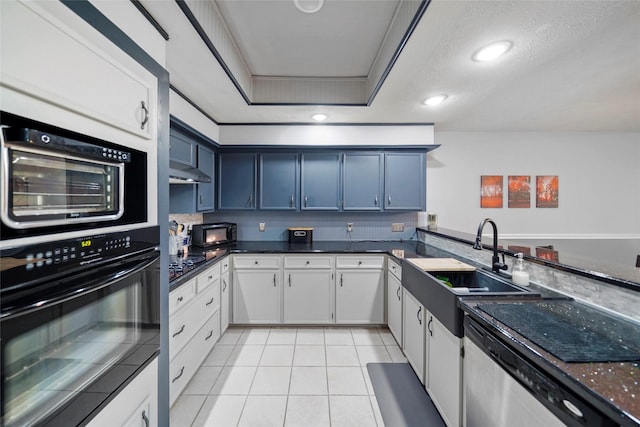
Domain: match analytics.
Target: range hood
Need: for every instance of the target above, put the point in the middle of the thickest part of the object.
(183, 174)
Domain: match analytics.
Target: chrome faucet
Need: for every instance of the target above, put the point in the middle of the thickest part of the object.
(496, 265)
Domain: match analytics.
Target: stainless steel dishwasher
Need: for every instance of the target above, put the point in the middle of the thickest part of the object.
(502, 388)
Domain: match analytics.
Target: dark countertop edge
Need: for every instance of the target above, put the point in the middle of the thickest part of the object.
(543, 360)
(623, 283)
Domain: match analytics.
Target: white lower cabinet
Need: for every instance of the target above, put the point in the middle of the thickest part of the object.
(413, 342)
(225, 299)
(194, 327)
(444, 371)
(308, 289)
(136, 405)
(359, 289)
(308, 297)
(257, 283)
(394, 300)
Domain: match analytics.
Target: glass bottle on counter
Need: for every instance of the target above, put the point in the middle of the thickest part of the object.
(519, 275)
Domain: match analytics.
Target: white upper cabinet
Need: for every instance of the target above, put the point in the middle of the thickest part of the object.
(46, 60)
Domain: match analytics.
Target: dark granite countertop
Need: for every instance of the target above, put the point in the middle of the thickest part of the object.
(612, 387)
(608, 260)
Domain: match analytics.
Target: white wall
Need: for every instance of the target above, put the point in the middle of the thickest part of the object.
(599, 176)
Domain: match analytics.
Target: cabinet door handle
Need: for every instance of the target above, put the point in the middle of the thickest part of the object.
(146, 115)
(289, 280)
(180, 299)
(201, 199)
(292, 202)
(306, 201)
(250, 201)
(398, 293)
(211, 277)
(179, 375)
(375, 202)
(209, 336)
(179, 332)
(224, 285)
(359, 262)
(340, 280)
(307, 263)
(210, 301)
(389, 200)
(429, 325)
(419, 315)
(274, 280)
(145, 419)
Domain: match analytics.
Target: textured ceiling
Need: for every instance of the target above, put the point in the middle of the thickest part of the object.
(575, 66)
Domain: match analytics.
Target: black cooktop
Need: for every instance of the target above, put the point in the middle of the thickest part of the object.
(571, 331)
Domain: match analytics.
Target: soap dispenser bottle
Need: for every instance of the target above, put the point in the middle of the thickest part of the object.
(520, 276)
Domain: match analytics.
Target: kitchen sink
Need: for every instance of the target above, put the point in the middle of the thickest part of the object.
(440, 291)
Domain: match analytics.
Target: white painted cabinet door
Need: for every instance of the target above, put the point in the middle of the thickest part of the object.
(413, 333)
(256, 296)
(308, 296)
(139, 400)
(444, 371)
(49, 60)
(359, 296)
(225, 301)
(394, 306)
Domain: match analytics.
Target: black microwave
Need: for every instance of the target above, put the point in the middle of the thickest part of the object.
(217, 234)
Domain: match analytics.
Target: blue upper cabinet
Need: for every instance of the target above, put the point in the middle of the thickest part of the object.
(205, 189)
(237, 181)
(320, 184)
(362, 181)
(279, 181)
(182, 149)
(405, 181)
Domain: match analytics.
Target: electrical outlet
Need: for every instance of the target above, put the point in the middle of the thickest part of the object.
(349, 227)
(397, 226)
(261, 226)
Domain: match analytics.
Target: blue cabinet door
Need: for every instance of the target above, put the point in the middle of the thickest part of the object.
(182, 148)
(237, 181)
(320, 184)
(405, 181)
(205, 190)
(279, 181)
(362, 181)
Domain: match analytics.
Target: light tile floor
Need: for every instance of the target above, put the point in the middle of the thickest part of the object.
(288, 376)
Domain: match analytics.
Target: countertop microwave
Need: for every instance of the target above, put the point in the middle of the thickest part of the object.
(216, 234)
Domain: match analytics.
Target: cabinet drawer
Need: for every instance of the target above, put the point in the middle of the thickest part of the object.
(182, 327)
(181, 297)
(257, 262)
(209, 301)
(208, 278)
(394, 268)
(184, 366)
(359, 261)
(314, 261)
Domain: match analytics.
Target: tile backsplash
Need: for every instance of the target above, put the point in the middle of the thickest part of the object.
(326, 225)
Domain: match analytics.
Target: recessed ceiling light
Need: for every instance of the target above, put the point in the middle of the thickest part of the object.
(319, 117)
(308, 6)
(491, 51)
(435, 100)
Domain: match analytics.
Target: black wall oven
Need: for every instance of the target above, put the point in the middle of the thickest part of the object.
(79, 319)
(54, 181)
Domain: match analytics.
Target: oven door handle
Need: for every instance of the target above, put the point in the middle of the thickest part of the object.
(105, 276)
